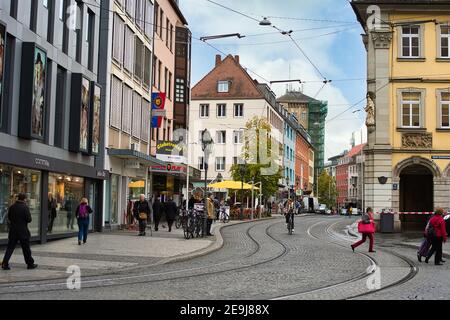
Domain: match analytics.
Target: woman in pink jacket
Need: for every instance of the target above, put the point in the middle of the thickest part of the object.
(437, 235)
(369, 217)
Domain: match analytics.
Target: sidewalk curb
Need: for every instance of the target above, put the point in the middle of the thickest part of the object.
(413, 246)
(216, 245)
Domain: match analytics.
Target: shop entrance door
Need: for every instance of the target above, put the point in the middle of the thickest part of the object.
(93, 202)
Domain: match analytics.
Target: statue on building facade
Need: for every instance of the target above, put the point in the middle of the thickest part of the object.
(370, 111)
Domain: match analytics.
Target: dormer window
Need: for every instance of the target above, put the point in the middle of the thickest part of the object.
(223, 86)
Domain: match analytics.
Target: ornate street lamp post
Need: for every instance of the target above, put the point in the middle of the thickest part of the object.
(242, 171)
(207, 143)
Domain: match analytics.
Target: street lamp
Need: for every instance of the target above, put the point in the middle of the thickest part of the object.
(207, 143)
(260, 195)
(265, 22)
(242, 171)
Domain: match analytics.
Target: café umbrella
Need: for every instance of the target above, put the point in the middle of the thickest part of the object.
(235, 185)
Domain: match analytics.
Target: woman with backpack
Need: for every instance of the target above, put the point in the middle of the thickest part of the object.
(367, 227)
(437, 233)
(82, 214)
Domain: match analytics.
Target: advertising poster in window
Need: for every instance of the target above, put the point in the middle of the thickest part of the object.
(33, 92)
(80, 114)
(84, 117)
(95, 116)
(2, 64)
(39, 78)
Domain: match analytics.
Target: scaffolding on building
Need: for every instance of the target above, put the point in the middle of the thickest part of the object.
(318, 111)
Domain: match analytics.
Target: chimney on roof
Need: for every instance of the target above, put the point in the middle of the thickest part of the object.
(218, 59)
(237, 59)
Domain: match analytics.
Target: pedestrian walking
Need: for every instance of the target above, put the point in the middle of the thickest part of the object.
(82, 213)
(141, 211)
(158, 210)
(211, 213)
(19, 217)
(52, 204)
(367, 228)
(437, 233)
(171, 210)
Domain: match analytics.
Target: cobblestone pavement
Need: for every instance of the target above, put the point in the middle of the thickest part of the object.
(261, 261)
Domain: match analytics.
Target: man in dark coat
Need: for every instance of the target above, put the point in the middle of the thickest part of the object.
(19, 217)
(171, 212)
(141, 211)
(158, 210)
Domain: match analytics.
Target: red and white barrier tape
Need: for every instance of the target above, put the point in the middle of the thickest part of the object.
(412, 213)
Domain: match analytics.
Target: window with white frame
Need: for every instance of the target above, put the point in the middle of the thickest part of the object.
(118, 38)
(238, 137)
(179, 90)
(130, 7)
(444, 41)
(137, 114)
(220, 163)
(148, 19)
(410, 107)
(145, 124)
(127, 107)
(221, 110)
(221, 137)
(223, 86)
(238, 110)
(204, 111)
(128, 62)
(444, 105)
(116, 102)
(410, 45)
(201, 163)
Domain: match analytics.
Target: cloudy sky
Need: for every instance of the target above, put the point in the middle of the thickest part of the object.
(326, 30)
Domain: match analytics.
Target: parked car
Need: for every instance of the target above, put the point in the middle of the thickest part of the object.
(322, 209)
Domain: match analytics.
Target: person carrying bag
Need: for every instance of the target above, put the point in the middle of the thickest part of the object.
(141, 211)
(367, 228)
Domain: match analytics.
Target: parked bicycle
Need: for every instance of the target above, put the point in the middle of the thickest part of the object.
(224, 215)
(178, 219)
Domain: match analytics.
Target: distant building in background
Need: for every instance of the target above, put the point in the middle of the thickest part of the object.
(223, 102)
(355, 176)
(311, 113)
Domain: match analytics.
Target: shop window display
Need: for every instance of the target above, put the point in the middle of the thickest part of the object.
(136, 187)
(14, 180)
(64, 195)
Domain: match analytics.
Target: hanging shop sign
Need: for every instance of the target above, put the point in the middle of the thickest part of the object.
(32, 105)
(158, 105)
(80, 111)
(169, 168)
(170, 151)
(94, 135)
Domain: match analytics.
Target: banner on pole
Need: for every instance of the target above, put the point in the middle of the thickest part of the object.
(158, 104)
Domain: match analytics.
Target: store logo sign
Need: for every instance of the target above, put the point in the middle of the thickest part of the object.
(42, 162)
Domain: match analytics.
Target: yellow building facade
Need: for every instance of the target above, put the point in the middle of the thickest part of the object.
(407, 166)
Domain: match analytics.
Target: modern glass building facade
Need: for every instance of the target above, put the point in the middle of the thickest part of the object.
(51, 137)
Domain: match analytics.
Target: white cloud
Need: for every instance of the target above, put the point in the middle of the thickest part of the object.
(274, 61)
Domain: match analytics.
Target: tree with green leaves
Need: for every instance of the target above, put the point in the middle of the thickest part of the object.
(327, 189)
(257, 153)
